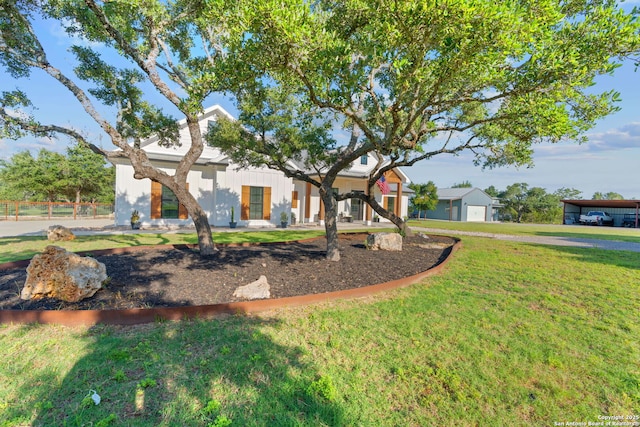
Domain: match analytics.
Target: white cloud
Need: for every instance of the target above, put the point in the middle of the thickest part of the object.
(4, 149)
(59, 32)
(555, 165)
(10, 147)
(45, 142)
(598, 146)
(564, 152)
(627, 136)
(16, 113)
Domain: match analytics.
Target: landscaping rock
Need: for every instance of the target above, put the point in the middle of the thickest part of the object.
(254, 290)
(57, 273)
(434, 245)
(59, 233)
(431, 245)
(384, 242)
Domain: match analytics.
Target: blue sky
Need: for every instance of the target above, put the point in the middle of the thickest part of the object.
(610, 161)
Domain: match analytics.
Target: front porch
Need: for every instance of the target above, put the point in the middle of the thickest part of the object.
(309, 208)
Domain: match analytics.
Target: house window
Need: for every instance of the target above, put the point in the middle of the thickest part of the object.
(165, 204)
(169, 204)
(391, 204)
(256, 203)
(364, 159)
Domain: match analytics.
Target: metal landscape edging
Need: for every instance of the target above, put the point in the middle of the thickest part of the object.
(148, 315)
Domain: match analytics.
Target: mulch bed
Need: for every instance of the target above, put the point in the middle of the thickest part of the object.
(178, 277)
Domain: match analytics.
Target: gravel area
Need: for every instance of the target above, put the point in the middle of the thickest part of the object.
(545, 240)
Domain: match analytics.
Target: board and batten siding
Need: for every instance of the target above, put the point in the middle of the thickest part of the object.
(133, 194)
(230, 188)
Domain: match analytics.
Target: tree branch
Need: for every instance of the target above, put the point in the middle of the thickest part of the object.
(148, 65)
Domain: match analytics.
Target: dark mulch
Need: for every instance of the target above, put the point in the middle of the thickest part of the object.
(179, 277)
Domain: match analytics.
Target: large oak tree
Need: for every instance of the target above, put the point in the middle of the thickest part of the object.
(409, 80)
(129, 54)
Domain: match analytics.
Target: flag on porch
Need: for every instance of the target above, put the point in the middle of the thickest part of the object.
(383, 186)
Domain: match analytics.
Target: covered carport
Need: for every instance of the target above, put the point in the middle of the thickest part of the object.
(616, 208)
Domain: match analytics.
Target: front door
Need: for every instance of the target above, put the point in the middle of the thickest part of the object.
(356, 209)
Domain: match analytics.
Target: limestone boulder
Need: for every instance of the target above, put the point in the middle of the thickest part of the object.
(259, 289)
(59, 233)
(384, 242)
(57, 273)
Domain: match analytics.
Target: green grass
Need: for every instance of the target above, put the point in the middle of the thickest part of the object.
(510, 334)
(19, 248)
(571, 231)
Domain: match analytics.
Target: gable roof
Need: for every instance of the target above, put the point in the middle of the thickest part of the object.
(356, 170)
(453, 193)
(212, 155)
(457, 193)
(210, 113)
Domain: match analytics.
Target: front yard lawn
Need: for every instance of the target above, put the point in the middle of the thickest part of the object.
(510, 334)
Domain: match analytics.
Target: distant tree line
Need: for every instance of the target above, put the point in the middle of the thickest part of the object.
(520, 203)
(79, 175)
(524, 204)
(535, 205)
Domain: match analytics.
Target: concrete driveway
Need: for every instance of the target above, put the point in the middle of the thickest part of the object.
(106, 226)
(39, 227)
(545, 240)
(82, 227)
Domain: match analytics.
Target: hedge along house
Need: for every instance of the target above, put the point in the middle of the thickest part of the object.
(463, 204)
(258, 195)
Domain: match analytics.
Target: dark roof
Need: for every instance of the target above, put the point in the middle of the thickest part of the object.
(604, 203)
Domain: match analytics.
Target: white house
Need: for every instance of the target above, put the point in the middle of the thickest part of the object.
(258, 195)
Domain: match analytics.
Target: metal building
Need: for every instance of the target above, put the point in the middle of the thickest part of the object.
(626, 211)
(463, 204)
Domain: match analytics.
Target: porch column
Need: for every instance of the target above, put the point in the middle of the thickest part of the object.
(307, 203)
(321, 213)
(367, 214)
(398, 206)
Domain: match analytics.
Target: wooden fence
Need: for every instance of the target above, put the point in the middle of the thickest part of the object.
(19, 211)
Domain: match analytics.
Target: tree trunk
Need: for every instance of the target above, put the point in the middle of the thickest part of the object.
(203, 230)
(519, 216)
(403, 228)
(330, 224)
(200, 220)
